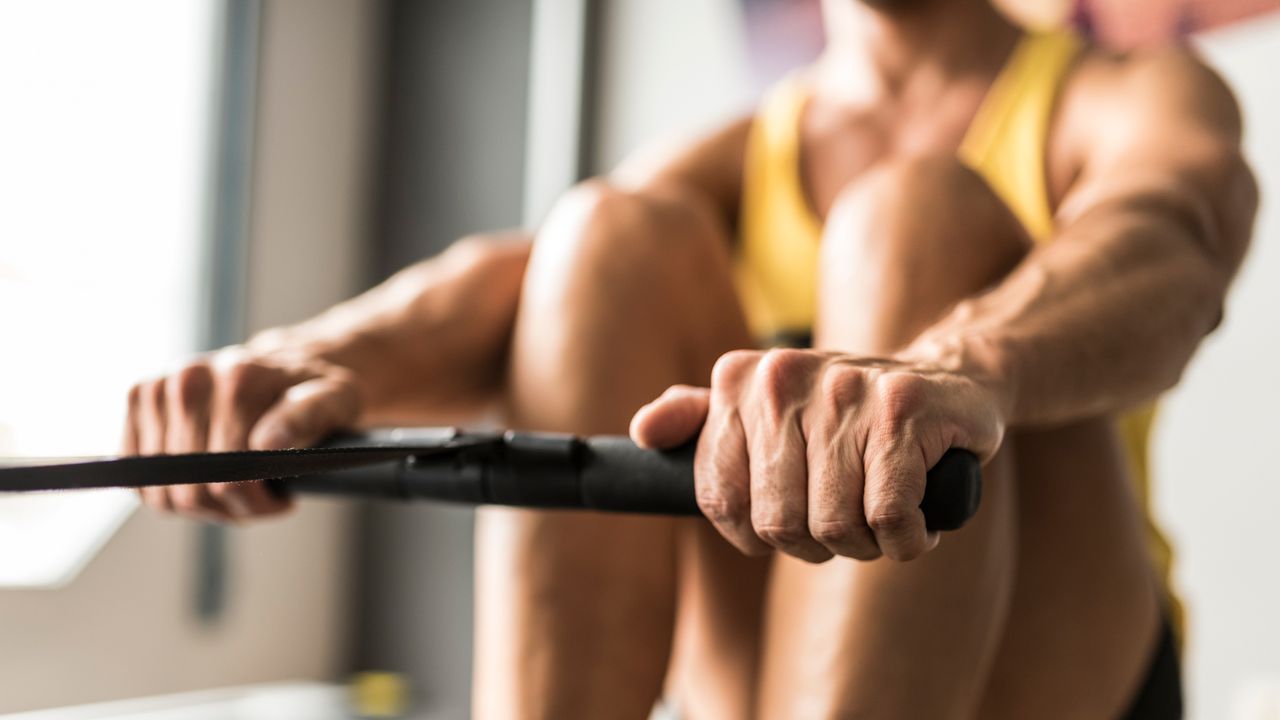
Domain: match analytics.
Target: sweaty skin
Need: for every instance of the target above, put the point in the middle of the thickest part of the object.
(810, 453)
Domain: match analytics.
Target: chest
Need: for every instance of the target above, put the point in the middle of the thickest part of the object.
(837, 145)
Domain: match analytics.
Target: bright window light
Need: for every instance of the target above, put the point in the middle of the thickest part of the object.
(105, 111)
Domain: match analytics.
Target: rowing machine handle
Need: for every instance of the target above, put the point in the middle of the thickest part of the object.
(542, 470)
(616, 474)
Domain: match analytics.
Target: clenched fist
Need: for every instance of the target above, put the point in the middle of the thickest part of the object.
(819, 454)
(236, 399)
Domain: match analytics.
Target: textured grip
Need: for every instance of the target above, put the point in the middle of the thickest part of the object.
(618, 476)
(596, 473)
(952, 490)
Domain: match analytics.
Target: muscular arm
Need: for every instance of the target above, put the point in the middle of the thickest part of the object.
(434, 335)
(1152, 230)
(429, 345)
(430, 337)
(1151, 234)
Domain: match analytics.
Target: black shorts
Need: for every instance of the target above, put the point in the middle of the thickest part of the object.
(1160, 697)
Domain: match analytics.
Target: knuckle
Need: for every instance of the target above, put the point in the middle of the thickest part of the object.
(731, 368)
(841, 387)
(719, 506)
(891, 522)
(781, 530)
(775, 374)
(244, 381)
(779, 366)
(850, 538)
(190, 387)
(836, 532)
(901, 397)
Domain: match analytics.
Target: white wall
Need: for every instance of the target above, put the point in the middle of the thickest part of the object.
(127, 625)
(1217, 464)
(667, 68)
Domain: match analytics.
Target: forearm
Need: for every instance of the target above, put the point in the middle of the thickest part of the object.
(431, 340)
(1104, 317)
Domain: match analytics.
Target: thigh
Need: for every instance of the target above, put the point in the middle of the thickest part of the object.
(1085, 613)
(716, 656)
(624, 295)
(884, 639)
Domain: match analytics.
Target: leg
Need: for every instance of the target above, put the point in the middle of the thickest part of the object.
(1083, 623)
(933, 638)
(885, 639)
(624, 296)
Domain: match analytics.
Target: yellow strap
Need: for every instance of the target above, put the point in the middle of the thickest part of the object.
(1006, 141)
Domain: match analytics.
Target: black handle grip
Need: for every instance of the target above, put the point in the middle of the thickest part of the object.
(617, 475)
(596, 473)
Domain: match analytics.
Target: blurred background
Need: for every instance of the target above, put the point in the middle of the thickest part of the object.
(177, 175)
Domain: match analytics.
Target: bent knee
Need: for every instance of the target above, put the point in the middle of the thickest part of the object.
(617, 235)
(929, 210)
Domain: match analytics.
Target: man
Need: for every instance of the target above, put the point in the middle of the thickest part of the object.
(997, 240)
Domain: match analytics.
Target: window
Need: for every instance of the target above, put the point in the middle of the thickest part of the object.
(105, 120)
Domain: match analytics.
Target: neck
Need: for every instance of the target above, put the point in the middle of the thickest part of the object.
(877, 51)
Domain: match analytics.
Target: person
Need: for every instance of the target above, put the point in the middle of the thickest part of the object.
(972, 235)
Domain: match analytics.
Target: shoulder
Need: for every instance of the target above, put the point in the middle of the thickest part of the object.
(1164, 104)
(1171, 82)
(1157, 129)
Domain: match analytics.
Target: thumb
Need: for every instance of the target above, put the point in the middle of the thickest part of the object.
(306, 413)
(672, 419)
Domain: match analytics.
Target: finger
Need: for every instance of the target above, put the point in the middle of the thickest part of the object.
(779, 487)
(672, 419)
(129, 442)
(153, 497)
(722, 478)
(197, 501)
(306, 414)
(895, 478)
(251, 499)
(156, 498)
(187, 397)
(151, 416)
(243, 391)
(836, 517)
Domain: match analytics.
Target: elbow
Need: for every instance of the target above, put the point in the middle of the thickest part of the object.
(1203, 314)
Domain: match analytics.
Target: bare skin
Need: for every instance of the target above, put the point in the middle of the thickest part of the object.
(1154, 208)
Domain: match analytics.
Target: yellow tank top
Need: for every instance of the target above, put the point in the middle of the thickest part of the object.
(779, 233)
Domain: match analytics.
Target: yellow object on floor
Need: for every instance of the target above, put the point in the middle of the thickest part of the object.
(379, 694)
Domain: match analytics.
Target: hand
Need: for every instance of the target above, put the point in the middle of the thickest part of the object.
(236, 399)
(819, 454)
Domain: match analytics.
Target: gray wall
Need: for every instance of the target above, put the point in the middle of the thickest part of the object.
(453, 144)
(452, 163)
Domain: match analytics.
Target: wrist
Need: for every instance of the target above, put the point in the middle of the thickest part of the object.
(982, 359)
